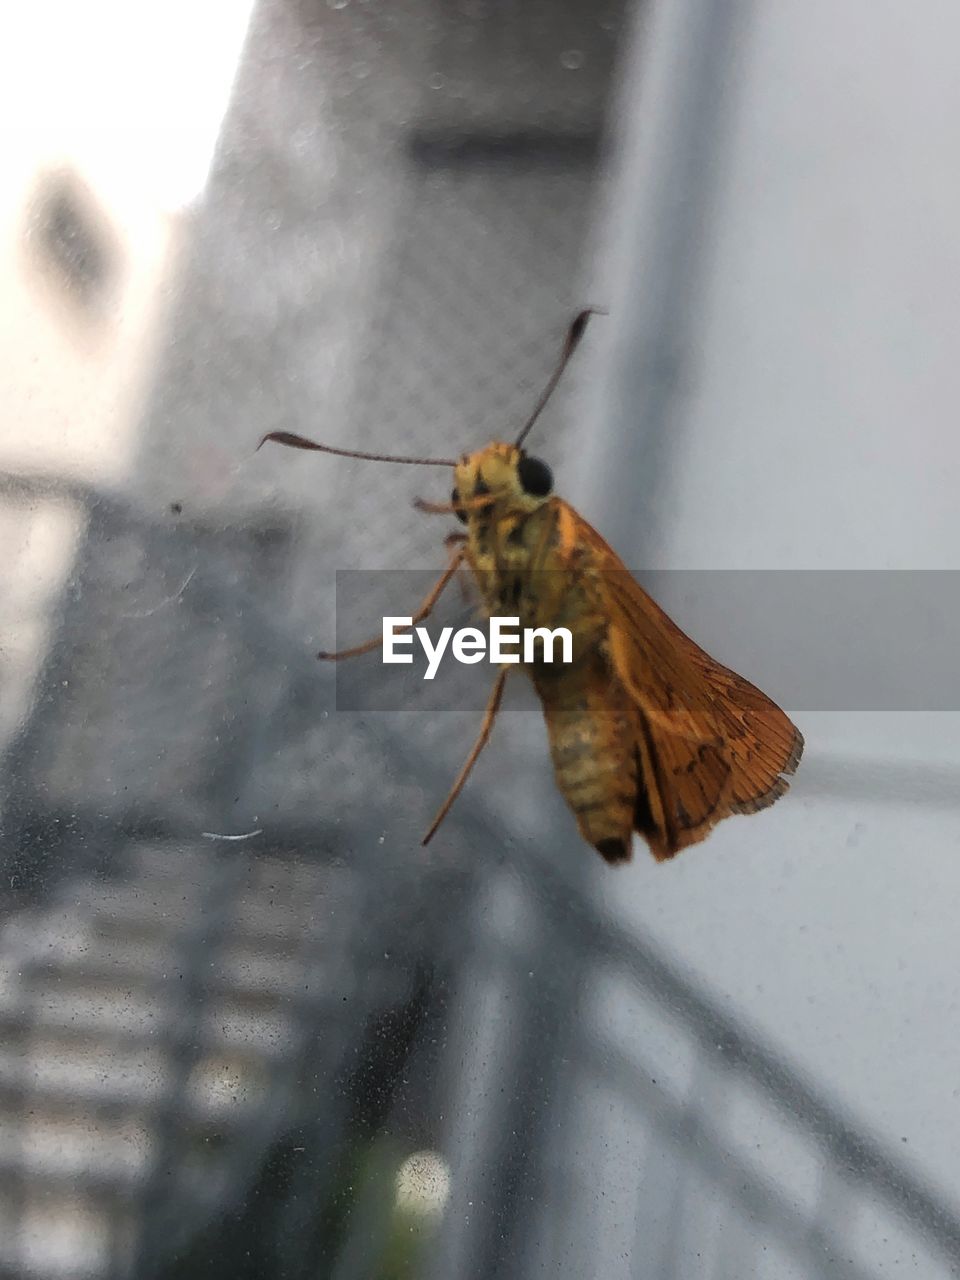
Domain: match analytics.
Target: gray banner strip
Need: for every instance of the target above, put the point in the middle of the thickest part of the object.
(840, 640)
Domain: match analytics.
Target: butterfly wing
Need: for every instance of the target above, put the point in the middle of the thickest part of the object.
(709, 743)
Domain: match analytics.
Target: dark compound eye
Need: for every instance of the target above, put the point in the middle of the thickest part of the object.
(535, 476)
(460, 513)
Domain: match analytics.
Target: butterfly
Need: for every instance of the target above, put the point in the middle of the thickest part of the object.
(647, 732)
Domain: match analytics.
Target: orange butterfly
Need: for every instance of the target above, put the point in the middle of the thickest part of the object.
(647, 732)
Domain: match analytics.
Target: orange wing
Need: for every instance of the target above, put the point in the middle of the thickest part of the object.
(709, 743)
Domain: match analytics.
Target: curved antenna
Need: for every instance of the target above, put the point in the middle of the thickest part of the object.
(572, 341)
(301, 442)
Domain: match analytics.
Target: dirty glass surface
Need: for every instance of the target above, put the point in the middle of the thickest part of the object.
(250, 1027)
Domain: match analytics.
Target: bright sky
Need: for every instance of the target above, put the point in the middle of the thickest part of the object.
(121, 90)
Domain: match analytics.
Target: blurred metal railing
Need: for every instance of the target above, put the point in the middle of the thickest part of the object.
(173, 1011)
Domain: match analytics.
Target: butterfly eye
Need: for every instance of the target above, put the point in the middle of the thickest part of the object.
(459, 512)
(535, 476)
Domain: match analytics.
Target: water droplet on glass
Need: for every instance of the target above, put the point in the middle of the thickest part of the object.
(571, 59)
(437, 80)
(338, 4)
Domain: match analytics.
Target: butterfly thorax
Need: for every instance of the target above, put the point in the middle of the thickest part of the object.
(522, 547)
(508, 529)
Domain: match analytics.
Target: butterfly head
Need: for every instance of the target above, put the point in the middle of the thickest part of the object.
(514, 481)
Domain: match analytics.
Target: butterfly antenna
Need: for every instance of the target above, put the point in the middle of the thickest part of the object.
(571, 342)
(301, 442)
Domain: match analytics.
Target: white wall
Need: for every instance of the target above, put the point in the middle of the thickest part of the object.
(796, 407)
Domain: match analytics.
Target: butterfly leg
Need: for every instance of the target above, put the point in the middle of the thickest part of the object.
(493, 706)
(426, 608)
(450, 508)
(455, 540)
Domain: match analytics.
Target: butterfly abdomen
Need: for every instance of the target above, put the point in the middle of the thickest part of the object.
(590, 724)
